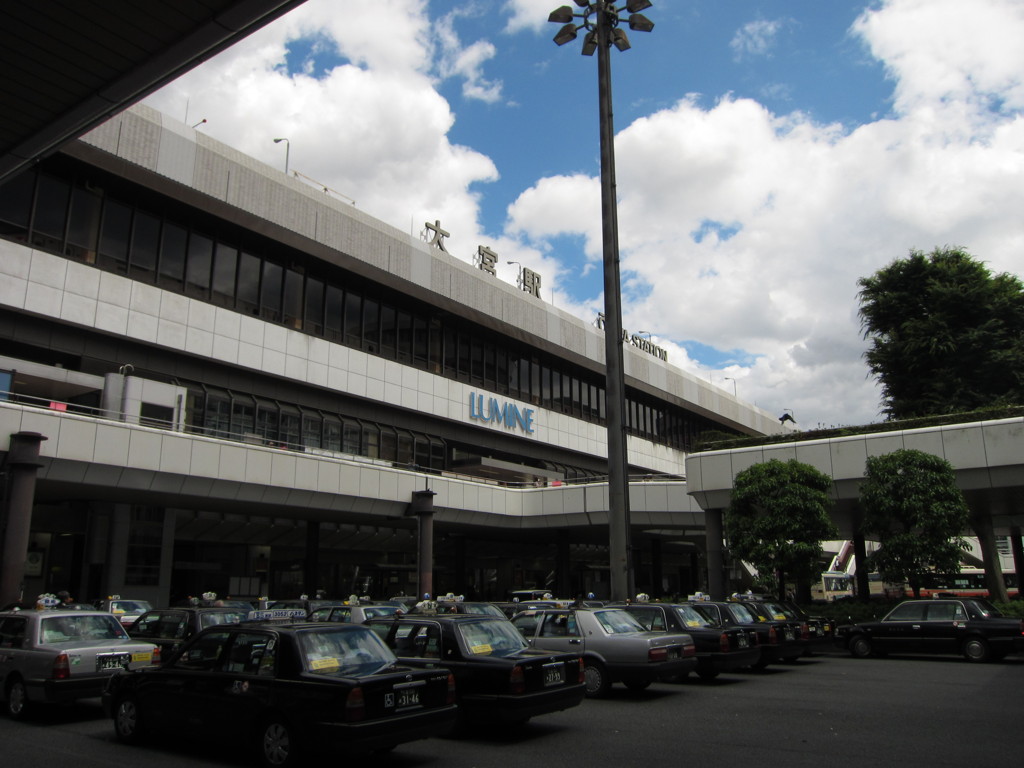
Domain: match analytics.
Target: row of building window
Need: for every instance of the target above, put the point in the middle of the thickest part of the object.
(82, 221)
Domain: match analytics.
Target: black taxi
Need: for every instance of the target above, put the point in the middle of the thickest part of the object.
(499, 679)
(285, 691)
(719, 649)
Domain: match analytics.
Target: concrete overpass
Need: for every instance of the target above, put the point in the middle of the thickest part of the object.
(988, 457)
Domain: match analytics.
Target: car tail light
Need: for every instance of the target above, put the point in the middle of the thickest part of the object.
(690, 649)
(450, 698)
(1022, 626)
(156, 656)
(805, 632)
(657, 654)
(723, 643)
(61, 667)
(583, 671)
(517, 680)
(773, 636)
(355, 705)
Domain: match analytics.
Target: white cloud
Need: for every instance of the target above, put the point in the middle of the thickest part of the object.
(814, 207)
(791, 212)
(755, 38)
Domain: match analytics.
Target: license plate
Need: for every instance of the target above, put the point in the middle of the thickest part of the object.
(107, 661)
(409, 697)
(743, 641)
(554, 674)
(789, 633)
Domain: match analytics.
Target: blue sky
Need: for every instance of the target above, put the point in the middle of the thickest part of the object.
(769, 155)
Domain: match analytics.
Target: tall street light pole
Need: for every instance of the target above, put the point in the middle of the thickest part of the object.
(601, 21)
(287, 152)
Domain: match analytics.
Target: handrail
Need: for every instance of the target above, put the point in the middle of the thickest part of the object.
(251, 438)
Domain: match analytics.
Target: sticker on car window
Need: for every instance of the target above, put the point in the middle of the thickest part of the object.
(324, 664)
(484, 648)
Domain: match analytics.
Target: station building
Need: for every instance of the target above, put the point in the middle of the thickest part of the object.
(238, 382)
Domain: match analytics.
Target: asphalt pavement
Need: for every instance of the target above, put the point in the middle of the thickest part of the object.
(826, 711)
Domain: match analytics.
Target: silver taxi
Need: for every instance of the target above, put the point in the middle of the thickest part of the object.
(52, 656)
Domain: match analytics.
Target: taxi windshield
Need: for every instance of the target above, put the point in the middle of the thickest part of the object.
(337, 651)
(741, 614)
(213, 618)
(491, 638)
(617, 621)
(691, 617)
(131, 607)
(779, 612)
(72, 627)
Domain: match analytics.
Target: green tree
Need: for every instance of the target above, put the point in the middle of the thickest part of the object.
(946, 335)
(778, 517)
(912, 505)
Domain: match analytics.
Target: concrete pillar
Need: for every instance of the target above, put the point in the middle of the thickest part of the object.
(716, 557)
(657, 574)
(22, 466)
(1017, 548)
(563, 578)
(860, 555)
(311, 574)
(422, 506)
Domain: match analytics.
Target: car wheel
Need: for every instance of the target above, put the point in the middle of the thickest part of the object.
(277, 745)
(860, 647)
(977, 649)
(596, 679)
(17, 700)
(128, 726)
(637, 685)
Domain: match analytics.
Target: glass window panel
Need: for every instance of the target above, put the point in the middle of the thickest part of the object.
(314, 314)
(312, 429)
(332, 434)
(243, 417)
(292, 299)
(84, 225)
(476, 361)
(421, 341)
(145, 246)
(388, 444)
(247, 292)
(52, 196)
(333, 313)
(463, 370)
(405, 448)
(371, 325)
(267, 421)
(173, 244)
(353, 318)
(197, 270)
(388, 331)
(16, 204)
(351, 435)
(403, 336)
(225, 264)
(115, 232)
(371, 441)
(270, 295)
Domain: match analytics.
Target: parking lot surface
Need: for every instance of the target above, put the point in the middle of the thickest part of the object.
(828, 710)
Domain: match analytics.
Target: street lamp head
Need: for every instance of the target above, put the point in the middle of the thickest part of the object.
(590, 43)
(619, 39)
(640, 23)
(278, 141)
(637, 5)
(561, 15)
(566, 34)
